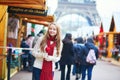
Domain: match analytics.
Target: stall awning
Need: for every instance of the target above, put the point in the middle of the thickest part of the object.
(35, 4)
(36, 22)
(39, 18)
(33, 10)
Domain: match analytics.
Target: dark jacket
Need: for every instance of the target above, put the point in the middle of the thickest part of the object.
(26, 52)
(67, 55)
(78, 50)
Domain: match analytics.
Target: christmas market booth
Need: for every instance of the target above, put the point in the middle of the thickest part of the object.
(14, 16)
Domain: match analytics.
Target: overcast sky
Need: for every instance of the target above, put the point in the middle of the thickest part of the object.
(106, 8)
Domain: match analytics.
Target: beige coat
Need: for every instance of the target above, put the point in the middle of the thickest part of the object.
(40, 55)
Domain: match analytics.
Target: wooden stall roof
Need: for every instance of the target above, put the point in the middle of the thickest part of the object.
(39, 18)
(101, 28)
(35, 4)
(101, 31)
(36, 22)
(112, 25)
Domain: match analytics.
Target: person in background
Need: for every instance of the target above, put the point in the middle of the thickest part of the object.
(74, 66)
(47, 51)
(57, 66)
(115, 51)
(67, 57)
(41, 33)
(78, 50)
(87, 66)
(26, 56)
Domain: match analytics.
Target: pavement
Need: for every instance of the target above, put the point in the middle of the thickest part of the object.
(22, 75)
(111, 60)
(25, 75)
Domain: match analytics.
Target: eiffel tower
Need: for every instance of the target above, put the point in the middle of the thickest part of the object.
(84, 8)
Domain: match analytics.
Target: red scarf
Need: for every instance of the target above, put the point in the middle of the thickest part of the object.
(47, 73)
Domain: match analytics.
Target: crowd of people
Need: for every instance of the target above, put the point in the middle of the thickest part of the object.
(49, 50)
(26, 55)
(75, 53)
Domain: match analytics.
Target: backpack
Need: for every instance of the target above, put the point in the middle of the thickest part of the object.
(91, 58)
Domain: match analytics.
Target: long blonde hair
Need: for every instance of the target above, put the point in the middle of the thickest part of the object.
(57, 38)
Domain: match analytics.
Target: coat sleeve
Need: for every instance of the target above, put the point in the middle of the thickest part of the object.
(36, 50)
(55, 58)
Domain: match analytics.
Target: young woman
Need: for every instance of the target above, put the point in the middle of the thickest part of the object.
(47, 51)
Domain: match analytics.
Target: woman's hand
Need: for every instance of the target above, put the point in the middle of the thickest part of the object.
(45, 55)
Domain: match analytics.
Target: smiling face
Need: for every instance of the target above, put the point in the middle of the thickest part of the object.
(52, 30)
